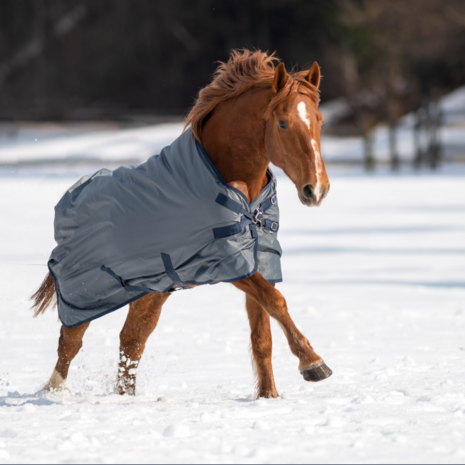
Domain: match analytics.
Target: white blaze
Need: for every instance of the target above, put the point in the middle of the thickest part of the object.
(302, 109)
(319, 169)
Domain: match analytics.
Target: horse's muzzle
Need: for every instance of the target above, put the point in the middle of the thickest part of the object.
(309, 198)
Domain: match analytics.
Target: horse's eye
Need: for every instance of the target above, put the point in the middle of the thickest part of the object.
(282, 124)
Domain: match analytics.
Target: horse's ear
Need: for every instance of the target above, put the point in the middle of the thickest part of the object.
(280, 77)
(314, 75)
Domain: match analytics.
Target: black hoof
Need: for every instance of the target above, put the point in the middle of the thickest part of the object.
(316, 372)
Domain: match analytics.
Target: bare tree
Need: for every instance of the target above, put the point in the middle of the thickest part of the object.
(390, 39)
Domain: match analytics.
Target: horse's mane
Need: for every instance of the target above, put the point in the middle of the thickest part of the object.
(243, 71)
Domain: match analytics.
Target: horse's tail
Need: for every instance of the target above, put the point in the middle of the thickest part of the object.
(44, 296)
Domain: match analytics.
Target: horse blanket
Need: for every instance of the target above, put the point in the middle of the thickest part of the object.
(167, 223)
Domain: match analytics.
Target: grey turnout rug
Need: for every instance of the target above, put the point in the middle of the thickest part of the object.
(169, 221)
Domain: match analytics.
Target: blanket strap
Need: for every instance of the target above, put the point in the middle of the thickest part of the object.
(248, 218)
(170, 271)
(118, 278)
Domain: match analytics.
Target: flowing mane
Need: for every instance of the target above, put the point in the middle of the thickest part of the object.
(243, 71)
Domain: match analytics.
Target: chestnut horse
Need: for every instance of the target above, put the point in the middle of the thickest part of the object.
(251, 114)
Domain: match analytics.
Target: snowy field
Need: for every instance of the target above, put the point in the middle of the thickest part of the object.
(375, 278)
(44, 143)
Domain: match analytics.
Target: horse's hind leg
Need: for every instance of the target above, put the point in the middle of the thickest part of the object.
(68, 346)
(260, 335)
(142, 319)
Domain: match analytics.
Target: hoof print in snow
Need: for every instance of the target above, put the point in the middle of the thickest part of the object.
(316, 372)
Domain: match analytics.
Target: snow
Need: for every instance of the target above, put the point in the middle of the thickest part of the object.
(136, 145)
(45, 144)
(454, 102)
(106, 143)
(335, 109)
(375, 278)
(451, 133)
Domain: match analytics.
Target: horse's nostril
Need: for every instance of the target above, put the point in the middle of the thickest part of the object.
(308, 191)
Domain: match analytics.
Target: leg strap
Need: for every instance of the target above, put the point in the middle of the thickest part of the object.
(170, 271)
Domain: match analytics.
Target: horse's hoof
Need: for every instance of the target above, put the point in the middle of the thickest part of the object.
(124, 389)
(56, 383)
(316, 372)
(125, 392)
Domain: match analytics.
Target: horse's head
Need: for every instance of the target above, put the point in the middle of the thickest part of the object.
(292, 137)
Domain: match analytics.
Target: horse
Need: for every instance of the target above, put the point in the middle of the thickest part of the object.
(253, 113)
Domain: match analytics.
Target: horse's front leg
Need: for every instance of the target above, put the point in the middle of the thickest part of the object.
(311, 365)
(260, 336)
(142, 319)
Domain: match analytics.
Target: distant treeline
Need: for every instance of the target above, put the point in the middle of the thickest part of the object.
(75, 59)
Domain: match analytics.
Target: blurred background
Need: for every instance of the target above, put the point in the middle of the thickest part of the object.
(112, 80)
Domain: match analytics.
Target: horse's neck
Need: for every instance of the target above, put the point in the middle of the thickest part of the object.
(234, 139)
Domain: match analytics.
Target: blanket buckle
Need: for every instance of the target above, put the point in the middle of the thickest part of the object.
(258, 216)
